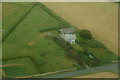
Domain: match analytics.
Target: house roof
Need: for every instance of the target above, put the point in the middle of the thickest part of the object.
(68, 37)
(67, 30)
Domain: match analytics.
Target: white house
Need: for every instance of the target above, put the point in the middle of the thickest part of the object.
(68, 34)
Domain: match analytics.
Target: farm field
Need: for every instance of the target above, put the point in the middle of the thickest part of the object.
(100, 18)
(22, 67)
(100, 75)
(27, 41)
(9, 18)
(33, 41)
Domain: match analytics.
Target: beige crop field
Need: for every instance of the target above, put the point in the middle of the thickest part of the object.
(100, 18)
(100, 75)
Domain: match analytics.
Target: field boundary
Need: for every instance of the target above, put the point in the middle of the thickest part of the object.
(53, 28)
(50, 12)
(32, 59)
(17, 23)
(23, 17)
(49, 73)
(62, 23)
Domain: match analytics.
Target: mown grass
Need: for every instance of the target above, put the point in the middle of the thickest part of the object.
(26, 40)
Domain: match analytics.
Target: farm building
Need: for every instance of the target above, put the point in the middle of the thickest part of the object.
(68, 34)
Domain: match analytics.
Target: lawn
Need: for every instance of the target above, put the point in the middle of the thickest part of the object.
(26, 40)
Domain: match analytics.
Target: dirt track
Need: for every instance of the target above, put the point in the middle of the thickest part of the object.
(100, 18)
(7, 65)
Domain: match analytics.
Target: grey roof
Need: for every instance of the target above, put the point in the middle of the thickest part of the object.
(68, 37)
(67, 30)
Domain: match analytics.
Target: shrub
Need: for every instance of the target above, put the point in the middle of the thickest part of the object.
(74, 55)
(53, 28)
(86, 40)
(85, 34)
(62, 43)
(92, 43)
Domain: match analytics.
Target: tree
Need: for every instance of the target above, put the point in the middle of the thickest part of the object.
(85, 34)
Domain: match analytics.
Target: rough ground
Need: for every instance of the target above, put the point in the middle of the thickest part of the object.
(100, 18)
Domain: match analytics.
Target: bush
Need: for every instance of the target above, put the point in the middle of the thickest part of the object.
(53, 28)
(62, 43)
(86, 40)
(93, 43)
(85, 34)
(74, 55)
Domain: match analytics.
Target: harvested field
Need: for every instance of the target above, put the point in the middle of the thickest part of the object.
(100, 75)
(100, 18)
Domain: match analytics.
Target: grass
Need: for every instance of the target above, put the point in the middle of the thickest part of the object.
(105, 55)
(28, 31)
(27, 62)
(97, 49)
(82, 15)
(16, 71)
(26, 40)
(26, 68)
(13, 15)
(77, 47)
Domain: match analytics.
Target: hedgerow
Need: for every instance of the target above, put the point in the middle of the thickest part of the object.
(53, 28)
(14, 27)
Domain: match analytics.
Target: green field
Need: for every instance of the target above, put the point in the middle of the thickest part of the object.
(12, 13)
(26, 40)
(26, 45)
(26, 68)
(16, 71)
